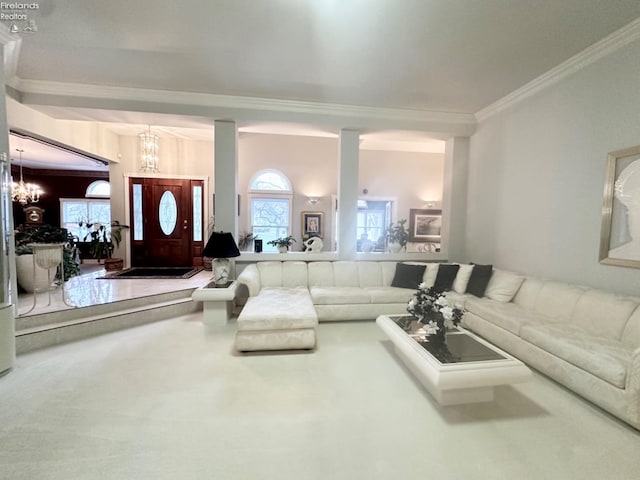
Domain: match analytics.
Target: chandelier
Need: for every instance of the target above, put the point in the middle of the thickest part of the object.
(149, 146)
(25, 192)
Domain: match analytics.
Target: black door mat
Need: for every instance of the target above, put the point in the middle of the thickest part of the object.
(153, 272)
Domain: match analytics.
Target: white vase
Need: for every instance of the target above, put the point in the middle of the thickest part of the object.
(24, 273)
(283, 249)
(394, 247)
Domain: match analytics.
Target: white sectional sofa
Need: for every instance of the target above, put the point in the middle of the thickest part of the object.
(586, 339)
(340, 290)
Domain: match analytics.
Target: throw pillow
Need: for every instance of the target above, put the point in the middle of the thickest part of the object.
(446, 275)
(479, 279)
(503, 285)
(408, 276)
(462, 278)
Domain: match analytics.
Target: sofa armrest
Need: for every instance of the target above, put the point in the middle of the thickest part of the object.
(250, 277)
(633, 375)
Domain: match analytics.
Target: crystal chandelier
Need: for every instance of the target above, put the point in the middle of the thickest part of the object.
(149, 146)
(25, 192)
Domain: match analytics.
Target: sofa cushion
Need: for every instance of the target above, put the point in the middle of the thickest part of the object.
(339, 295)
(294, 274)
(370, 274)
(603, 358)
(345, 274)
(479, 279)
(390, 294)
(446, 275)
(503, 285)
(270, 274)
(430, 274)
(508, 315)
(320, 274)
(408, 276)
(278, 309)
(631, 333)
(603, 314)
(462, 278)
(558, 300)
(528, 292)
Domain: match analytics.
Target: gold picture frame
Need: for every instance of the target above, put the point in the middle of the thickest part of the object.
(620, 230)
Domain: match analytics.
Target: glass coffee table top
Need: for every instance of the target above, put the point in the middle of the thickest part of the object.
(460, 347)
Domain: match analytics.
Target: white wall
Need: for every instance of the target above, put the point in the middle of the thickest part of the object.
(415, 178)
(310, 163)
(537, 174)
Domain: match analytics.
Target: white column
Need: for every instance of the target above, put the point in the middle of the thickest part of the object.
(8, 285)
(454, 203)
(226, 180)
(348, 193)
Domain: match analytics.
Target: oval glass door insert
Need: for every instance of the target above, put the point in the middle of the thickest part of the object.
(168, 213)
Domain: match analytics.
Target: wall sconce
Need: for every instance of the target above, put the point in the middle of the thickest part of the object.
(313, 200)
(430, 203)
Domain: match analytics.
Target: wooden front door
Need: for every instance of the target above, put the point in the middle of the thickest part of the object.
(162, 222)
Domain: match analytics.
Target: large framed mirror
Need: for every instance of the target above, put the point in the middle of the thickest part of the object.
(620, 232)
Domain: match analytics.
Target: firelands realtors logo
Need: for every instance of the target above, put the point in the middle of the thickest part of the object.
(18, 16)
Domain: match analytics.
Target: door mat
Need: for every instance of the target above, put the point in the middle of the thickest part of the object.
(153, 272)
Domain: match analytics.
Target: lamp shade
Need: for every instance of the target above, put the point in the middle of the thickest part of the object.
(221, 245)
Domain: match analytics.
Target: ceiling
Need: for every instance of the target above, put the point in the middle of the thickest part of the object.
(419, 55)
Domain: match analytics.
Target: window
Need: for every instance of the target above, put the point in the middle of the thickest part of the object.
(270, 197)
(99, 189)
(373, 219)
(95, 208)
(74, 211)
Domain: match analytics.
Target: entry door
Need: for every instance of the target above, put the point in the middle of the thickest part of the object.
(166, 233)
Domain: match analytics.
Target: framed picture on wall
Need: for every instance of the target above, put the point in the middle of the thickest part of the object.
(620, 230)
(425, 225)
(312, 225)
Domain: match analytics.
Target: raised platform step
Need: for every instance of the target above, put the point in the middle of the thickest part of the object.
(48, 329)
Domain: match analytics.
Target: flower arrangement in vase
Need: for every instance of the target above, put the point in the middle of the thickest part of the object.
(283, 244)
(397, 235)
(432, 309)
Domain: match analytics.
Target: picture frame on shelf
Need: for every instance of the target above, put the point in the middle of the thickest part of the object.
(312, 224)
(620, 230)
(425, 225)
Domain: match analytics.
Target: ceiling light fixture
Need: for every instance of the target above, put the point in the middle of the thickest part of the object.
(25, 192)
(149, 147)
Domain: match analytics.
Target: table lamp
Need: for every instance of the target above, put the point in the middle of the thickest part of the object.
(221, 246)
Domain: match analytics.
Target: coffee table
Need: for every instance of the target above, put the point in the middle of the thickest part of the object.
(466, 371)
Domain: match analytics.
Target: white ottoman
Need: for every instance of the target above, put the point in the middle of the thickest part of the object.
(277, 319)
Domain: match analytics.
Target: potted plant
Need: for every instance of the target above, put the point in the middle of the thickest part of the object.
(283, 243)
(245, 241)
(103, 241)
(27, 235)
(397, 235)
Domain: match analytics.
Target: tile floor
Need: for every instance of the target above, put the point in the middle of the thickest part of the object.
(89, 289)
(171, 400)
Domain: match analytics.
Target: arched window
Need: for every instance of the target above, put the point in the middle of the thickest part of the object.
(99, 189)
(270, 196)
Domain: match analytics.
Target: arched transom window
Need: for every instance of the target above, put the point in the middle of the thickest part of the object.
(270, 196)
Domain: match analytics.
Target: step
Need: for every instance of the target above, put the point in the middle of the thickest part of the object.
(73, 313)
(102, 319)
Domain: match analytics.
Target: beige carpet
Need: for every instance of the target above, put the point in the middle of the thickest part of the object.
(170, 400)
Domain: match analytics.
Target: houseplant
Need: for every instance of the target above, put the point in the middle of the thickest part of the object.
(397, 235)
(104, 240)
(283, 244)
(245, 241)
(25, 236)
(432, 309)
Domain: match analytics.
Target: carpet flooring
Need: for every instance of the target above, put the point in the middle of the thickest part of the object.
(172, 400)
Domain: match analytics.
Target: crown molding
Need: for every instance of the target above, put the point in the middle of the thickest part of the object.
(602, 48)
(238, 103)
